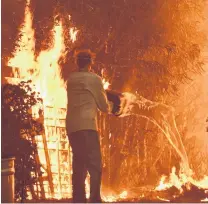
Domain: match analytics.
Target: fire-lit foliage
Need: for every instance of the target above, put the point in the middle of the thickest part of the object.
(155, 40)
(18, 132)
(144, 46)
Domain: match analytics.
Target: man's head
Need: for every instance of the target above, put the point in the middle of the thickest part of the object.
(84, 59)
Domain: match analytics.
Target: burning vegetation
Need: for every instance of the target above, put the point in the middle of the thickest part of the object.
(145, 48)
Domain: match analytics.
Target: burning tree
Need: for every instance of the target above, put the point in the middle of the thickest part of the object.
(145, 47)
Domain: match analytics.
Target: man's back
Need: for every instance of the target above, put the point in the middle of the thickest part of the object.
(85, 95)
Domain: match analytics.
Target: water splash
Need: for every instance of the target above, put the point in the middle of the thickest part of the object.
(160, 115)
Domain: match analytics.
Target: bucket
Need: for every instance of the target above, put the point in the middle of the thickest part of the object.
(7, 180)
(116, 98)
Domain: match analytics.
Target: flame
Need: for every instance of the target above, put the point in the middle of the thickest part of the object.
(73, 34)
(179, 180)
(44, 71)
(49, 81)
(87, 186)
(205, 200)
(106, 84)
(123, 195)
(162, 185)
(24, 56)
(114, 198)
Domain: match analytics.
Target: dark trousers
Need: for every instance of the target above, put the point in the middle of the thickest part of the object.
(85, 146)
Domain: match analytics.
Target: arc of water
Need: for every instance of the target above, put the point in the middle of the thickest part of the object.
(160, 115)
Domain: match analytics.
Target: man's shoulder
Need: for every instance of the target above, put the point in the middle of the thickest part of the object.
(93, 75)
(85, 74)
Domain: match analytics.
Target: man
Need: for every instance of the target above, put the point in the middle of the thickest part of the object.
(86, 95)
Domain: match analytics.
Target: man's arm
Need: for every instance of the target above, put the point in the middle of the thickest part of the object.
(100, 96)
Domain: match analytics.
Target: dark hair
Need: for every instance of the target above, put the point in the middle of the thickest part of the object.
(84, 58)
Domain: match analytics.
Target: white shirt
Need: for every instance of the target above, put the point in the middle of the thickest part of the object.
(85, 95)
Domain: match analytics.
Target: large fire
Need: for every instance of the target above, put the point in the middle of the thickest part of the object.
(53, 147)
(44, 71)
(179, 180)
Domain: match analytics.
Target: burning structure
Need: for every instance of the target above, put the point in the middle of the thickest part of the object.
(53, 147)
